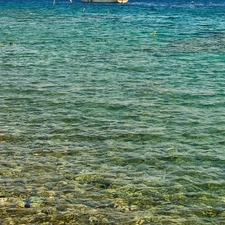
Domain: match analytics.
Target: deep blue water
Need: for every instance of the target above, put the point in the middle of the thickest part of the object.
(112, 113)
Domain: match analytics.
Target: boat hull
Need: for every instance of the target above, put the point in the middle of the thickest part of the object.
(122, 1)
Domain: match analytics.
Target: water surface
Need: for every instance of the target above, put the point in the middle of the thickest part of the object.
(102, 122)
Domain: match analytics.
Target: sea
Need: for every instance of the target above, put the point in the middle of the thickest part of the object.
(112, 114)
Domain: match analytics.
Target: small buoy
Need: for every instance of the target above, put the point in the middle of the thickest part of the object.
(153, 34)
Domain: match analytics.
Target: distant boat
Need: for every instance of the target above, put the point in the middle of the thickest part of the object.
(122, 1)
(106, 1)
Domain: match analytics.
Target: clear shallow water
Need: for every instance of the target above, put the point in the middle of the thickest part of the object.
(102, 123)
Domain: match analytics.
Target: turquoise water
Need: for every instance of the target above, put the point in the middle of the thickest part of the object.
(112, 114)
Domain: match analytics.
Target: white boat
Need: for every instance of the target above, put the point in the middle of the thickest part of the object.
(122, 1)
(105, 1)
